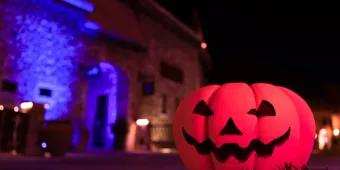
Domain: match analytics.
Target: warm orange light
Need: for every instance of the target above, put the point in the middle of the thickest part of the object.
(26, 105)
(336, 132)
(16, 109)
(142, 122)
(204, 45)
(323, 138)
(46, 106)
(131, 137)
(166, 150)
(1, 108)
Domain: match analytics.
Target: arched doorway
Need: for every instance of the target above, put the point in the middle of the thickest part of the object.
(106, 105)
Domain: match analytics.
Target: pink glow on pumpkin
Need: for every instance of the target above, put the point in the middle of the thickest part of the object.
(233, 101)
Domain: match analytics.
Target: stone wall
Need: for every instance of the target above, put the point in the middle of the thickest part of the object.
(43, 45)
(169, 47)
(44, 48)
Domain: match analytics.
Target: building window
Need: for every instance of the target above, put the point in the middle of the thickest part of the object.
(326, 121)
(171, 72)
(148, 88)
(164, 104)
(9, 86)
(45, 92)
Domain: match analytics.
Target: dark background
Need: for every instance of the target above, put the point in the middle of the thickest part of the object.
(290, 43)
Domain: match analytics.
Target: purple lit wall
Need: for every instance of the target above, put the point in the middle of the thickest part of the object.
(45, 42)
(45, 51)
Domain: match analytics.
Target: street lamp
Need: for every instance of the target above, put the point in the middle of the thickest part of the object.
(16, 109)
(143, 134)
(204, 45)
(142, 122)
(26, 105)
(336, 132)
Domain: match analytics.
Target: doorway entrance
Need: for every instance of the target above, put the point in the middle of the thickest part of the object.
(106, 105)
(100, 122)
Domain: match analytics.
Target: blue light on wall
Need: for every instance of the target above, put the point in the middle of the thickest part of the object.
(92, 26)
(45, 48)
(46, 52)
(82, 4)
(112, 78)
(94, 71)
(104, 84)
(47, 57)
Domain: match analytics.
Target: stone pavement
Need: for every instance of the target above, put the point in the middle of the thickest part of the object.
(124, 161)
(109, 161)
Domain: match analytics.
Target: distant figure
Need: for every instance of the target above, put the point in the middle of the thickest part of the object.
(120, 129)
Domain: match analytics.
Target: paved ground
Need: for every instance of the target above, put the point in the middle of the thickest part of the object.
(124, 161)
(116, 161)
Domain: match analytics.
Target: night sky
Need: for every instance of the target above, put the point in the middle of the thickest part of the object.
(296, 45)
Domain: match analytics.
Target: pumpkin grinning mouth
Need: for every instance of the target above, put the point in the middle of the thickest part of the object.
(233, 149)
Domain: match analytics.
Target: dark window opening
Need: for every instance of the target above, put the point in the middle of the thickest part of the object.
(171, 72)
(326, 121)
(148, 88)
(45, 92)
(9, 86)
(164, 103)
(100, 122)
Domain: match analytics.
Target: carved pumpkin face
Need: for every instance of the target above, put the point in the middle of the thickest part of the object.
(237, 126)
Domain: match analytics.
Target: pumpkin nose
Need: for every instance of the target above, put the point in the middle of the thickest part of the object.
(230, 129)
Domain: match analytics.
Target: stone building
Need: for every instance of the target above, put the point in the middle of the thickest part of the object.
(98, 62)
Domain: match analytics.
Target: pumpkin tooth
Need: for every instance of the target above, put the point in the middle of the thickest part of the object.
(233, 149)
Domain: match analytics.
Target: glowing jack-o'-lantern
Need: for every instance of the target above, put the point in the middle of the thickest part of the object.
(240, 126)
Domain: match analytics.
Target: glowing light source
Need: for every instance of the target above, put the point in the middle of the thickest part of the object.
(204, 45)
(26, 105)
(92, 26)
(316, 135)
(336, 132)
(1, 108)
(44, 145)
(166, 150)
(16, 109)
(131, 137)
(47, 155)
(142, 122)
(82, 4)
(14, 152)
(93, 71)
(46, 106)
(323, 140)
(323, 131)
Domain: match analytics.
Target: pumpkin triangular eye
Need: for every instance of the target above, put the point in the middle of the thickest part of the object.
(230, 129)
(202, 109)
(265, 109)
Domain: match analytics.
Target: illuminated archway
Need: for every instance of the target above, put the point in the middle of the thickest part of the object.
(106, 103)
